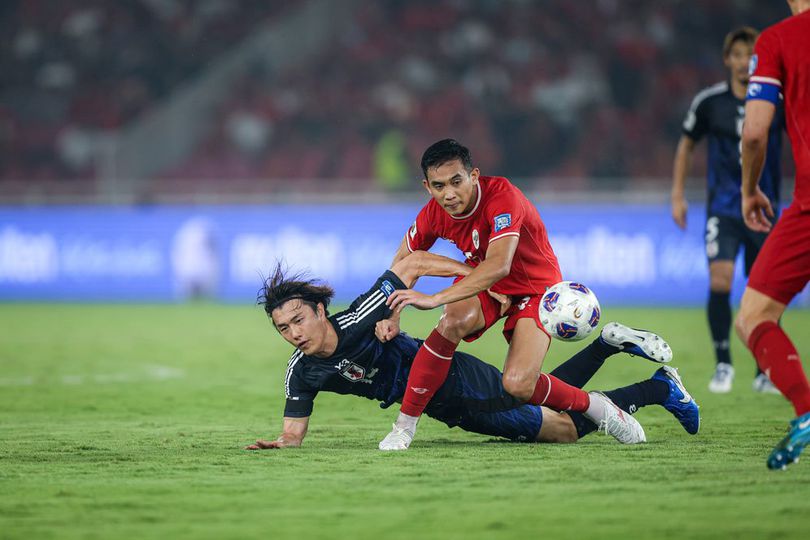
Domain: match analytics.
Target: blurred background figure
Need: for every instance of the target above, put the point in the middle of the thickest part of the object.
(167, 99)
(171, 149)
(195, 260)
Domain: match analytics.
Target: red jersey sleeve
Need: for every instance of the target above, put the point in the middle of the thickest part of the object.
(421, 235)
(766, 64)
(504, 213)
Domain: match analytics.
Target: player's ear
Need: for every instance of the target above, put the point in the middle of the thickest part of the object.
(474, 174)
(425, 183)
(320, 311)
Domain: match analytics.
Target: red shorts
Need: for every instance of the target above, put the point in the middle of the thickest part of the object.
(782, 268)
(526, 307)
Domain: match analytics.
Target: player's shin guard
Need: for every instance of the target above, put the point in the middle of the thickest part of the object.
(778, 358)
(556, 394)
(428, 372)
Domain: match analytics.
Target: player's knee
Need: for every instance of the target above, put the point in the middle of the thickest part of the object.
(520, 385)
(720, 284)
(455, 324)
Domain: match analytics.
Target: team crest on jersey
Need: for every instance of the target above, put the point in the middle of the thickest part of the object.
(386, 288)
(351, 371)
(752, 64)
(502, 221)
(475, 238)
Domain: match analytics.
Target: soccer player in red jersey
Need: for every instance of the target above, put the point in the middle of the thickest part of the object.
(781, 64)
(504, 239)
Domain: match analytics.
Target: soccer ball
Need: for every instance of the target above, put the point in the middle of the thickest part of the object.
(569, 311)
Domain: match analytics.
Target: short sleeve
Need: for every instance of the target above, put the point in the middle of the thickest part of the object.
(370, 307)
(766, 64)
(300, 395)
(504, 213)
(421, 235)
(695, 125)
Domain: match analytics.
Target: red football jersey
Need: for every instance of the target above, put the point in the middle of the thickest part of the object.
(782, 57)
(500, 210)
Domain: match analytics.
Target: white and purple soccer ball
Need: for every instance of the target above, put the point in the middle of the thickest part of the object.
(569, 311)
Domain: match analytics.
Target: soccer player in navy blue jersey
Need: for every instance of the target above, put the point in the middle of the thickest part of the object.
(354, 352)
(717, 112)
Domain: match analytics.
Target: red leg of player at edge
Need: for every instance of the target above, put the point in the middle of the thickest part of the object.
(778, 358)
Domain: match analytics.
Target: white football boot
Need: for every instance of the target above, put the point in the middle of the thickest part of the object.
(398, 439)
(637, 342)
(764, 385)
(722, 379)
(618, 423)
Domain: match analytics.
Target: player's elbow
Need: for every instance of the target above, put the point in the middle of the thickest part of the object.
(409, 268)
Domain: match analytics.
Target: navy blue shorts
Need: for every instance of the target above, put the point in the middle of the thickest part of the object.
(473, 399)
(726, 235)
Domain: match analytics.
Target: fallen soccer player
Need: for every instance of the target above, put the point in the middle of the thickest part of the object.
(343, 353)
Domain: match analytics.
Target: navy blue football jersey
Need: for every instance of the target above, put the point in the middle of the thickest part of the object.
(360, 365)
(718, 114)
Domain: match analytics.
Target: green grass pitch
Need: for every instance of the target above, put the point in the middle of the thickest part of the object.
(129, 422)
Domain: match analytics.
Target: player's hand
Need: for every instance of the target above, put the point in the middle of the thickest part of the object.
(503, 300)
(679, 208)
(265, 445)
(756, 209)
(386, 330)
(409, 297)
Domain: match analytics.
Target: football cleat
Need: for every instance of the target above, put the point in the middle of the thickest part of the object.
(789, 448)
(637, 342)
(722, 379)
(679, 402)
(398, 439)
(763, 385)
(617, 423)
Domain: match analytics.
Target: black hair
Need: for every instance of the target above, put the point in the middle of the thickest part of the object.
(443, 151)
(279, 288)
(746, 34)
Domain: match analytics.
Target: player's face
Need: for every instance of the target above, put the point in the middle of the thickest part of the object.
(737, 61)
(455, 189)
(302, 327)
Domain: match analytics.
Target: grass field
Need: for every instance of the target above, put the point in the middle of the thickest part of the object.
(129, 422)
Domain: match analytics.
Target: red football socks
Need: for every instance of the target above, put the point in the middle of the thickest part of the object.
(556, 394)
(428, 372)
(778, 358)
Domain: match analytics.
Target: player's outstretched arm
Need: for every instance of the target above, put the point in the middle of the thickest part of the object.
(424, 263)
(495, 267)
(293, 433)
(680, 168)
(756, 208)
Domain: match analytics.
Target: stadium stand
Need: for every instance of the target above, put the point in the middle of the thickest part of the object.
(402, 73)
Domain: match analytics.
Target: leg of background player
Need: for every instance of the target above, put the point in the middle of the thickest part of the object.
(718, 310)
(753, 244)
(757, 325)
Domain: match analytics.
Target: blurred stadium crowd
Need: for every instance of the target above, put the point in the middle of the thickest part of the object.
(574, 90)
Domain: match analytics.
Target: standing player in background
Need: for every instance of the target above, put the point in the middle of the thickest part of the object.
(717, 112)
(503, 238)
(781, 64)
